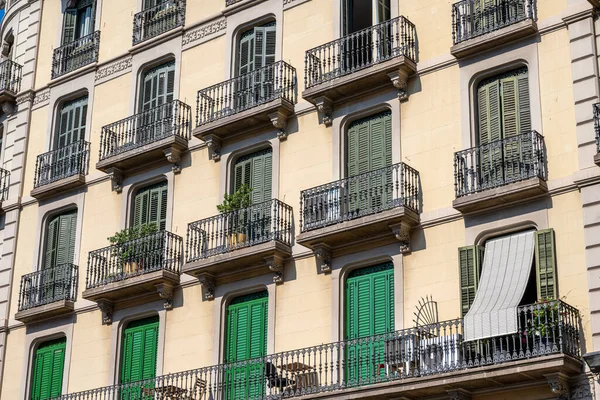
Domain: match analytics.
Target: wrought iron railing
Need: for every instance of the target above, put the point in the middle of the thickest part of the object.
(359, 195)
(159, 19)
(597, 125)
(346, 55)
(76, 54)
(62, 163)
(231, 2)
(470, 18)
(260, 223)
(274, 81)
(10, 76)
(500, 163)
(544, 329)
(166, 120)
(4, 183)
(158, 251)
(48, 285)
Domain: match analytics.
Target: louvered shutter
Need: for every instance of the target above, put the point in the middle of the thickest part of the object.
(52, 236)
(139, 352)
(255, 170)
(523, 108)
(48, 368)
(140, 211)
(69, 21)
(71, 127)
(150, 206)
(158, 86)
(66, 238)
(545, 263)
(490, 130)
(469, 259)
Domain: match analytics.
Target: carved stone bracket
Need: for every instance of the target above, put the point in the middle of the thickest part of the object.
(214, 147)
(209, 284)
(174, 157)
(559, 385)
(106, 307)
(279, 121)
(402, 234)
(400, 82)
(8, 107)
(165, 291)
(323, 254)
(116, 177)
(275, 264)
(459, 394)
(325, 108)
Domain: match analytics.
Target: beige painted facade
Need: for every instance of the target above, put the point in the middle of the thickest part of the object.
(307, 309)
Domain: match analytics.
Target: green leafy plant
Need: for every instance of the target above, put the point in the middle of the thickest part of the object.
(125, 247)
(545, 318)
(236, 200)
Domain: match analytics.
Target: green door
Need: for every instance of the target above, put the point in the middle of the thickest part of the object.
(69, 148)
(60, 252)
(150, 206)
(48, 366)
(158, 86)
(246, 339)
(369, 311)
(369, 148)
(138, 355)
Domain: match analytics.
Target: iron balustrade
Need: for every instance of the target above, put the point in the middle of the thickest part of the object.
(48, 285)
(362, 49)
(500, 163)
(597, 125)
(231, 2)
(346, 199)
(274, 81)
(62, 163)
(170, 119)
(11, 74)
(246, 227)
(159, 19)
(76, 54)
(543, 329)
(4, 183)
(470, 18)
(155, 252)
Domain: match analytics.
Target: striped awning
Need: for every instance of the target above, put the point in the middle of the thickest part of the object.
(505, 272)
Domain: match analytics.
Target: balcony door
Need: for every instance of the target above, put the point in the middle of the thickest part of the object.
(246, 339)
(504, 113)
(78, 21)
(48, 368)
(150, 206)
(138, 356)
(156, 115)
(59, 255)
(369, 312)
(70, 134)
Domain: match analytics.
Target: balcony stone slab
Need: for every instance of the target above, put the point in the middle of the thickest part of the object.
(597, 159)
(45, 311)
(493, 39)
(8, 100)
(59, 186)
(501, 196)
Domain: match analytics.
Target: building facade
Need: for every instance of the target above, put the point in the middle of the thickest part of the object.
(252, 199)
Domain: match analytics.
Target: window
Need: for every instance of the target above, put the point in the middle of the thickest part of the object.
(48, 366)
(78, 21)
(71, 123)
(254, 170)
(157, 86)
(139, 354)
(246, 338)
(60, 240)
(256, 48)
(361, 14)
(150, 206)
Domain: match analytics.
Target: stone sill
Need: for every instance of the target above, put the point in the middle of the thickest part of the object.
(46, 311)
(62, 185)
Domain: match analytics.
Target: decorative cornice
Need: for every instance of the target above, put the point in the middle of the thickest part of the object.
(292, 3)
(204, 33)
(108, 70)
(25, 97)
(41, 97)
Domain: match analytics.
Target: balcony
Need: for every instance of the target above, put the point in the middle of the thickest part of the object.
(364, 60)
(597, 130)
(476, 29)
(61, 169)
(146, 138)
(416, 363)
(261, 97)
(47, 293)
(148, 266)
(243, 243)
(10, 81)
(157, 20)
(4, 185)
(74, 55)
(501, 172)
(377, 205)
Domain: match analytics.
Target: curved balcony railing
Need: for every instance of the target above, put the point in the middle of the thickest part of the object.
(471, 19)
(62, 163)
(169, 119)
(48, 286)
(4, 183)
(360, 195)
(597, 125)
(159, 19)
(158, 251)
(75, 55)
(544, 329)
(246, 227)
(500, 163)
(10, 76)
(272, 82)
(362, 49)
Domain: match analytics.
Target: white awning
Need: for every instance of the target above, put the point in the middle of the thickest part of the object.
(506, 267)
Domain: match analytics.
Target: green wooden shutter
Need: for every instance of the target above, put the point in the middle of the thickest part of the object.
(52, 235)
(545, 264)
(469, 260)
(158, 86)
(490, 130)
(246, 53)
(48, 367)
(523, 108)
(255, 170)
(69, 21)
(71, 122)
(60, 239)
(150, 206)
(139, 350)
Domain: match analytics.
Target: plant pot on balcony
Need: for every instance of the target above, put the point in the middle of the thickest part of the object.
(131, 267)
(236, 239)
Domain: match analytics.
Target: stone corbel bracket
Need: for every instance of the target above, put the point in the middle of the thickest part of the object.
(213, 143)
(275, 264)
(279, 120)
(174, 157)
(325, 108)
(107, 308)
(116, 177)
(165, 291)
(400, 81)
(559, 385)
(324, 255)
(459, 394)
(402, 233)
(209, 283)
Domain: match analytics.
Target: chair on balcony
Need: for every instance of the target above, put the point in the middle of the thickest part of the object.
(274, 380)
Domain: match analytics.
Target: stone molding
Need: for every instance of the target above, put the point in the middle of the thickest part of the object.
(41, 98)
(287, 4)
(119, 67)
(204, 33)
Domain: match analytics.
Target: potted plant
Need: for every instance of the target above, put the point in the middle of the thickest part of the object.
(236, 222)
(545, 322)
(127, 251)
